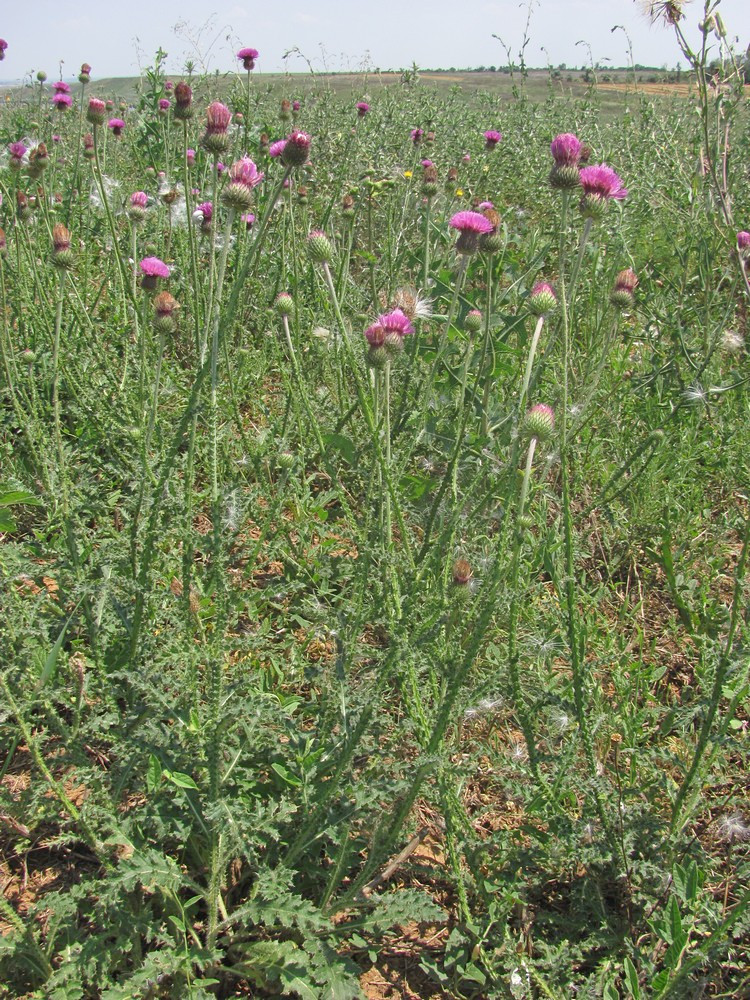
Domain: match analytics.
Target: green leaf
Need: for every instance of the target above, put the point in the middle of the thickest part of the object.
(343, 444)
(153, 774)
(180, 779)
(631, 978)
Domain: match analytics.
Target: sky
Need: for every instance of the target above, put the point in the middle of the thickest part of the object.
(338, 35)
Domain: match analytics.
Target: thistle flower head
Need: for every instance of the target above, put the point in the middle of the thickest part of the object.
(542, 299)
(284, 304)
(97, 111)
(470, 226)
(203, 214)
(117, 125)
(62, 101)
(164, 104)
(17, 152)
(62, 255)
(362, 108)
(276, 148)
(743, 243)
(165, 306)
(136, 209)
(249, 219)
(473, 320)
(296, 149)
(413, 305)
(319, 246)
(732, 828)
(243, 177)
(539, 422)
(85, 74)
(183, 96)
(218, 117)
(61, 87)
(668, 11)
(153, 268)
(3, 47)
(566, 150)
(600, 185)
(417, 134)
(625, 284)
(492, 138)
(248, 57)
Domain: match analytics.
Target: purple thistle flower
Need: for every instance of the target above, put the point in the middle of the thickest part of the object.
(393, 322)
(743, 237)
(485, 204)
(249, 219)
(470, 226)
(362, 108)
(218, 117)
(245, 172)
(427, 163)
(276, 148)
(470, 222)
(117, 125)
(3, 47)
(61, 88)
(602, 182)
(220, 168)
(139, 199)
(417, 135)
(492, 138)
(190, 156)
(18, 150)
(243, 177)
(248, 57)
(164, 104)
(62, 101)
(566, 150)
(204, 213)
(168, 85)
(152, 269)
(296, 105)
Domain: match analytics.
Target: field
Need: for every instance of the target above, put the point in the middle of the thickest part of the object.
(374, 519)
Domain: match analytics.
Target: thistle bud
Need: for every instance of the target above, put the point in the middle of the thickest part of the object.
(165, 305)
(285, 111)
(88, 147)
(347, 206)
(96, 113)
(215, 139)
(462, 574)
(62, 255)
(136, 208)
(430, 181)
(542, 299)
(539, 422)
(319, 246)
(622, 292)
(492, 242)
(183, 97)
(23, 208)
(284, 304)
(296, 149)
(473, 321)
(85, 75)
